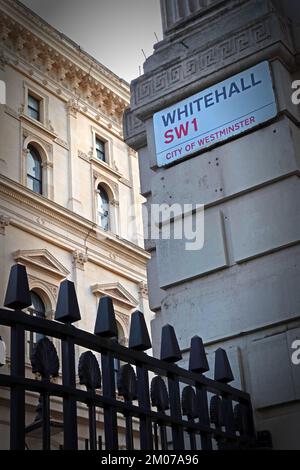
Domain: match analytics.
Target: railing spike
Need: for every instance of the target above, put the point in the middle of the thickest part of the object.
(138, 337)
(198, 360)
(170, 351)
(223, 372)
(17, 292)
(67, 308)
(106, 324)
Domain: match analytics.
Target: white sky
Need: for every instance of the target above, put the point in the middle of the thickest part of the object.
(112, 31)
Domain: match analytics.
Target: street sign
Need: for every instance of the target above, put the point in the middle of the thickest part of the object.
(215, 114)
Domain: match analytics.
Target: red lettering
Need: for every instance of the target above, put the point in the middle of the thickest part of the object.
(183, 130)
(195, 124)
(169, 137)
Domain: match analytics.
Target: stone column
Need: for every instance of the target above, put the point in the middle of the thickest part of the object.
(245, 277)
(79, 260)
(74, 202)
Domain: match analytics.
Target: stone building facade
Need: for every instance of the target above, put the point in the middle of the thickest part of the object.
(241, 291)
(70, 204)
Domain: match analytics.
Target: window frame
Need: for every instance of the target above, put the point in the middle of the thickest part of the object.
(100, 188)
(32, 109)
(104, 136)
(33, 336)
(103, 152)
(34, 153)
(31, 90)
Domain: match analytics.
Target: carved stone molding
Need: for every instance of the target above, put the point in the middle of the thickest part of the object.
(41, 260)
(143, 290)
(4, 222)
(84, 156)
(134, 130)
(153, 86)
(79, 259)
(73, 107)
(51, 290)
(3, 60)
(120, 295)
(41, 57)
(62, 143)
(124, 321)
(176, 11)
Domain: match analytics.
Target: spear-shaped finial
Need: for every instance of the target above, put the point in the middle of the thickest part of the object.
(170, 351)
(223, 372)
(17, 293)
(67, 308)
(106, 324)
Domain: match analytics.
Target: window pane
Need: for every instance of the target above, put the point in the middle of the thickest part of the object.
(34, 170)
(37, 187)
(37, 305)
(33, 102)
(38, 309)
(33, 114)
(100, 149)
(103, 209)
(34, 107)
(29, 183)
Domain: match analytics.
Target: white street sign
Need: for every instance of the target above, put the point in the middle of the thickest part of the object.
(215, 114)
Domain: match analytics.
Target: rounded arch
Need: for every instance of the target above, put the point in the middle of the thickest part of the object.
(46, 295)
(34, 169)
(39, 146)
(45, 152)
(108, 188)
(122, 337)
(103, 208)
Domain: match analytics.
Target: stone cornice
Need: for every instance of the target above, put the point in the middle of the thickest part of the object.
(76, 224)
(134, 130)
(185, 75)
(29, 38)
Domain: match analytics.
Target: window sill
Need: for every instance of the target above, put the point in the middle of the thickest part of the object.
(105, 166)
(38, 124)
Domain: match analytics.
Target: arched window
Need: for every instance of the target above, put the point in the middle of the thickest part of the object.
(103, 208)
(121, 340)
(38, 309)
(34, 170)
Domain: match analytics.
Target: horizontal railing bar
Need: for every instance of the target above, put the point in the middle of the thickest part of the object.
(99, 344)
(121, 407)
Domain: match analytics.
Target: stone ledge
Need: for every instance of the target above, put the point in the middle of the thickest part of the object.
(183, 77)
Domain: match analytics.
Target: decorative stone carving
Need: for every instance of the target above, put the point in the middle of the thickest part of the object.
(59, 68)
(4, 222)
(3, 60)
(176, 10)
(41, 260)
(200, 64)
(134, 127)
(84, 156)
(51, 290)
(124, 319)
(62, 143)
(143, 290)
(79, 259)
(73, 107)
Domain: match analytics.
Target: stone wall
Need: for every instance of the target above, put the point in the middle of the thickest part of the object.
(240, 290)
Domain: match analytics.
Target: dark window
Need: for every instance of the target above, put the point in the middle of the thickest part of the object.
(121, 340)
(103, 208)
(100, 149)
(34, 107)
(38, 309)
(34, 170)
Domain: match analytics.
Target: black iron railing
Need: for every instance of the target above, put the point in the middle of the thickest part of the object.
(173, 408)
